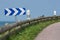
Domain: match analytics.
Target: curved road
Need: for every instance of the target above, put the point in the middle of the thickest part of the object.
(52, 32)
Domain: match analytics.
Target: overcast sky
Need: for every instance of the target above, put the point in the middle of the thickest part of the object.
(37, 7)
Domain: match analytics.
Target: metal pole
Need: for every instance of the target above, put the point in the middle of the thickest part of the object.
(16, 19)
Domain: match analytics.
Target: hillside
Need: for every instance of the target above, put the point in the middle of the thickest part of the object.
(30, 32)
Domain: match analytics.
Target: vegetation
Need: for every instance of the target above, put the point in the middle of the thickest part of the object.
(30, 32)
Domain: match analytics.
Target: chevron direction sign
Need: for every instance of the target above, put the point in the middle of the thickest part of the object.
(15, 11)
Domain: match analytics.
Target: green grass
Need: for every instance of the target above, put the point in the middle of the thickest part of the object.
(30, 32)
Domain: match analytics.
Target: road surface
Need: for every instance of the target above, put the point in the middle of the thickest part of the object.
(52, 32)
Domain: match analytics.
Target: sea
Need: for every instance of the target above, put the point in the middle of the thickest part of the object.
(2, 23)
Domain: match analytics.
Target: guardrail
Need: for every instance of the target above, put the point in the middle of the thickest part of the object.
(11, 29)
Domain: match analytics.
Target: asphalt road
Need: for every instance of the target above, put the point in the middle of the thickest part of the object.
(52, 32)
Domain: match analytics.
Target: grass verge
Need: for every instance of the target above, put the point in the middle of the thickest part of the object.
(29, 33)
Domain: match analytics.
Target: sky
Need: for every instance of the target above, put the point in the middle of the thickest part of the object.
(37, 8)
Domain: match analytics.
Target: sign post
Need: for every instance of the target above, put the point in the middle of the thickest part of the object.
(28, 15)
(54, 13)
(16, 19)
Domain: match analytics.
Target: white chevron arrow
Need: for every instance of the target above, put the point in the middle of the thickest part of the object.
(22, 11)
(8, 12)
(15, 11)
